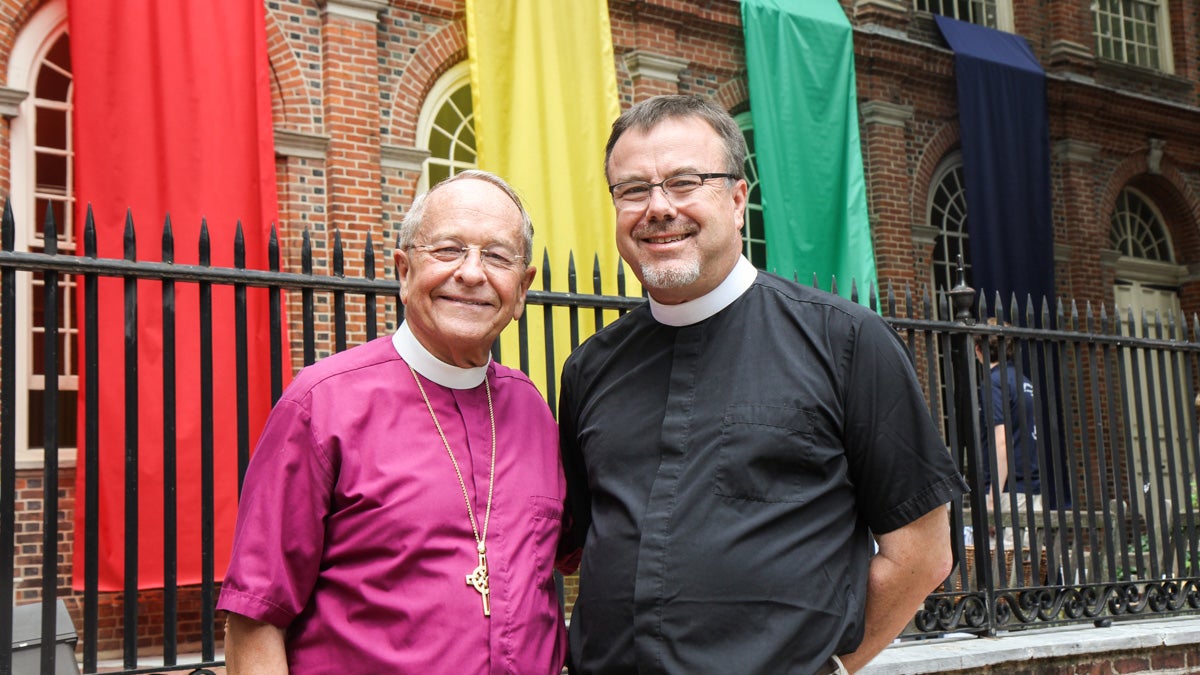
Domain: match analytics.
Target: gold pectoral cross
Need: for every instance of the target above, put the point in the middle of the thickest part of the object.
(479, 579)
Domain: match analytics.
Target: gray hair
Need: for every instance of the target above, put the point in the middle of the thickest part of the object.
(649, 113)
(416, 213)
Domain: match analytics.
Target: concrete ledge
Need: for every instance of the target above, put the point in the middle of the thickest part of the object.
(969, 652)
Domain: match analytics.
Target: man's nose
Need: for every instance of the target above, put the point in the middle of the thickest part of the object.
(470, 268)
(659, 206)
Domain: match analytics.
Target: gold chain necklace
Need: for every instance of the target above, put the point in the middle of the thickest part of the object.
(478, 578)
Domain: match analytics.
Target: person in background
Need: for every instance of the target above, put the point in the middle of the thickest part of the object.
(403, 507)
(736, 448)
(1012, 398)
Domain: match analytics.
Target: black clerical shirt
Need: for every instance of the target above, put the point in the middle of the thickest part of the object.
(726, 475)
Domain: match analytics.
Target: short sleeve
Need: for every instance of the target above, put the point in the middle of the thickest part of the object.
(279, 537)
(898, 461)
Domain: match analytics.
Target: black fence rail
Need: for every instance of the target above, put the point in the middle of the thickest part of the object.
(1111, 532)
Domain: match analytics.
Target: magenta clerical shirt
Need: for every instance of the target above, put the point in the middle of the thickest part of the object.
(353, 532)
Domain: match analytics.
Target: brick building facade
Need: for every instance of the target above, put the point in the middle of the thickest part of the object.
(362, 89)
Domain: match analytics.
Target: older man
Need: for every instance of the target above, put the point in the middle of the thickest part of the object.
(731, 448)
(402, 509)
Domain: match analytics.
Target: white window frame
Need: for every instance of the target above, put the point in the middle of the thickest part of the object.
(746, 123)
(1166, 60)
(1156, 227)
(1004, 12)
(949, 164)
(39, 35)
(447, 85)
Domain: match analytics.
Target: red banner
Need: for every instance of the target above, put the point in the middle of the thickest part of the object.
(172, 116)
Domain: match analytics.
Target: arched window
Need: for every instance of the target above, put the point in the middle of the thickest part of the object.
(42, 162)
(754, 235)
(1136, 229)
(948, 213)
(446, 126)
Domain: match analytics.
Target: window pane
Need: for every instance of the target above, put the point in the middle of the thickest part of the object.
(60, 53)
(462, 101)
(52, 128)
(52, 84)
(439, 143)
(463, 151)
(65, 418)
(51, 172)
(438, 173)
(466, 136)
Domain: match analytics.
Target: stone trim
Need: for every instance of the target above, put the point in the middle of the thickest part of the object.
(655, 66)
(1154, 155)
(359, 10)
(885, 113)
(297, 144)
(897, 6)
(404, 159)
(1067, 49)
(1071, 150)
(925, 234)
(1145, 271)
(1063, 252)
(10, 101)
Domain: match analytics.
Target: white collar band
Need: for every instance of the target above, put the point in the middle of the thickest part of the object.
(740, 278)
(416, 355)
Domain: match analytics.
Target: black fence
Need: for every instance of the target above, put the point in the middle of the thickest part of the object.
(1110, 534)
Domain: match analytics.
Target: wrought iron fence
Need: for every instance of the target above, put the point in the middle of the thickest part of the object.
(1113, 534)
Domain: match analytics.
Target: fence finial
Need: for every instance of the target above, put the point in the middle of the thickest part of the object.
(963, 296)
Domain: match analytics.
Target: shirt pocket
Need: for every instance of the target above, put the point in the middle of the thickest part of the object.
(766, 454)
(545, 521)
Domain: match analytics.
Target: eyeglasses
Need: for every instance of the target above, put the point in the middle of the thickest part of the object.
(454, 252)
(636, 193)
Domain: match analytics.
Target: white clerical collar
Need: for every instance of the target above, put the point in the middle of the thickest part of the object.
(416, 355)
(694, 311)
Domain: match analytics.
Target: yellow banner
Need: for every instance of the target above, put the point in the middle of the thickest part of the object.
(544, 91)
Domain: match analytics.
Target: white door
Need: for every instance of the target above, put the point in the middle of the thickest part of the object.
(1161, 437)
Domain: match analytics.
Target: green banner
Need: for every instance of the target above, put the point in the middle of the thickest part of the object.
(800, 59)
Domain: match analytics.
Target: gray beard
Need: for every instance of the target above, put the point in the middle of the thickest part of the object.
(671, 275)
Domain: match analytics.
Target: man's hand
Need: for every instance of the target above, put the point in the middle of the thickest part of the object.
(911, 562)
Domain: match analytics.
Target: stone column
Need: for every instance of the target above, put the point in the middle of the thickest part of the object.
(1080, 221)
(1069, 23)
(351, 107)
(884, 144)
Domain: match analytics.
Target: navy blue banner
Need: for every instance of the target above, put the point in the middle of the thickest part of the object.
(1005, 135)
(1005, 131)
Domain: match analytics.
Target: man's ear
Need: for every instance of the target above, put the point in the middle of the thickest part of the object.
(402, 267)
(526, 281)
(741, 197)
